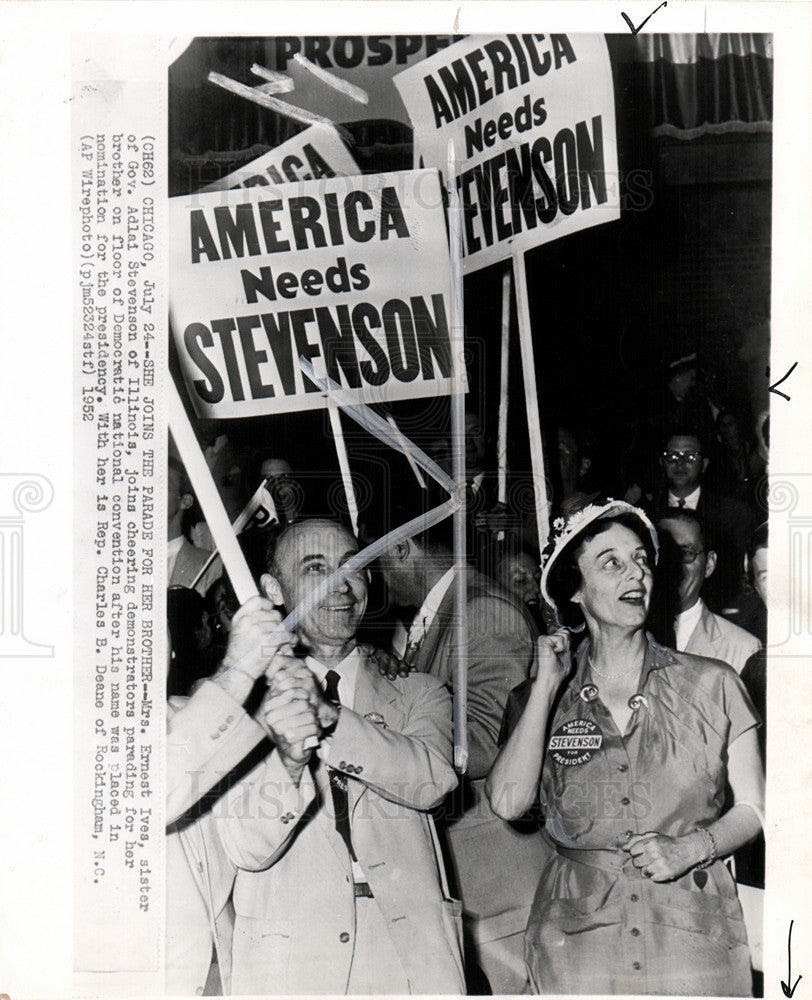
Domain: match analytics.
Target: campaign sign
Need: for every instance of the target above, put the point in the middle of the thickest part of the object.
(316, 152)
(367, 61)
(351, 273)
(532, 120)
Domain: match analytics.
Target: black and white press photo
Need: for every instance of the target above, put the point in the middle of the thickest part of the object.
(467, 510)
(405, 512)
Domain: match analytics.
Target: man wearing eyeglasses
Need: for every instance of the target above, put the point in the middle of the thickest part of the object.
(698, 630)
(684, 463)
(728, 519)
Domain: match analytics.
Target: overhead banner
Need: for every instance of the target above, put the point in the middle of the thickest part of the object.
(352, 274)
(532, 120)
(314, 153)
(367, 61)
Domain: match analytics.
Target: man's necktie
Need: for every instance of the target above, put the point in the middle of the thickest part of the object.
(338, 783)
(417, 634)
(681, 502)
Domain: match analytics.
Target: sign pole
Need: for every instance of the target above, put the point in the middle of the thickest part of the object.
(501, 440)
(344, 464)
(209, 499)
(531, 398)
(459, 525)
(213, 510)
(261, 497)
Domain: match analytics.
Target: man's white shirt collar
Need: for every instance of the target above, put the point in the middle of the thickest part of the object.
(347, 671)
(691, 500)
(686, 622)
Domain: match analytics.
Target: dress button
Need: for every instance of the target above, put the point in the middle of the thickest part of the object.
(625, 801)
(343, 937)
(635, 965)
(635, 932)
(623, 767)
(358, 769)
(629, 833)
(634, 897)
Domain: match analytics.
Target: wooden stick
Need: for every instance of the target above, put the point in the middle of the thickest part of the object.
(238, 524)
(281, 82)
(209, 499)
(418, 475)
(266, 101)
(344, 464)
(531, 398)
(213, 510)
(460, 668)
(342, 86)
(501, 441)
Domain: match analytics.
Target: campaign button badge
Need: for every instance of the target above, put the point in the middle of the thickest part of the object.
(576, 742)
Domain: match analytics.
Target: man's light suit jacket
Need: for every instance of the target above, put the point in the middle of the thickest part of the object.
(294, 896)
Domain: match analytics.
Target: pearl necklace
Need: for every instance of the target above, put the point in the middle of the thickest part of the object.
(600, 673)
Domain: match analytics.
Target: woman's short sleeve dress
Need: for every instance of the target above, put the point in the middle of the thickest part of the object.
(597, 925)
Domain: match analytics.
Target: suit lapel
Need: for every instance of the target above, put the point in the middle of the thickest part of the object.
(374, 693)
(711, 629)
(374, 696)
(427, 652)
(704, 634)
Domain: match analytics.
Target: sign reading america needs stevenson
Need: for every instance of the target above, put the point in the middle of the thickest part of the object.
(315, 152)
(532, 119)
(351, 273)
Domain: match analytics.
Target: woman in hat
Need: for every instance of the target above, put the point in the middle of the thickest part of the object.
(630, 754)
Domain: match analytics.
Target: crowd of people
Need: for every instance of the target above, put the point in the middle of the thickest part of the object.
(326, 836)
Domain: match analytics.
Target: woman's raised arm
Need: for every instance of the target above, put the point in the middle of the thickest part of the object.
(512, 784)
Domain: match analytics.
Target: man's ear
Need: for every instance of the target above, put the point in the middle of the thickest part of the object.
(402, 550)
(710, 564)
(186, 500)
(270, 588)
(585, 466)
(705, 464)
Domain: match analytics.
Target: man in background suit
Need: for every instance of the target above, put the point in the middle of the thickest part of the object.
(729, 520)
(697, 629)
(495, 863)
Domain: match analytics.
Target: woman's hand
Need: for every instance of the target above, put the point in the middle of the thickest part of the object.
(660, 857)
(552, 663)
